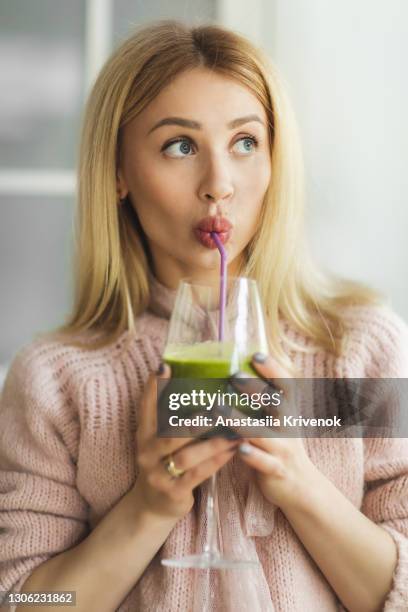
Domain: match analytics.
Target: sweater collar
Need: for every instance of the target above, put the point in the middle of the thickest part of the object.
(161, 298)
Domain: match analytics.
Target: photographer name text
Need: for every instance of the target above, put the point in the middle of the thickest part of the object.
(249, 421)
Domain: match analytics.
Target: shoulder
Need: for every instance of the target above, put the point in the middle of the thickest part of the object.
(378, 336)
(56, 358)
(57, 365)
(44, 373)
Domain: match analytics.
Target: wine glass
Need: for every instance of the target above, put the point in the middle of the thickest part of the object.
(197, 348)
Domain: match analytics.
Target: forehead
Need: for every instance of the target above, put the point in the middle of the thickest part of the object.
(205, 96)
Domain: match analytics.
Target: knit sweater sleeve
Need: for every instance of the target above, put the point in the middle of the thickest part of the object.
(42, 512)
(386, 503)
(386, 459)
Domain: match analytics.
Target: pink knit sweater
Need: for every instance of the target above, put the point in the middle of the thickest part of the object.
(67, 455)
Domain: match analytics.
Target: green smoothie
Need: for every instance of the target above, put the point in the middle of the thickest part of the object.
(207, 360)
(212, 361)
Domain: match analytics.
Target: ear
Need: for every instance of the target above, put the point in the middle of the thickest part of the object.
(121, 186)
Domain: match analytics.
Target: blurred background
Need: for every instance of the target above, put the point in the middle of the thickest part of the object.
(344, 64)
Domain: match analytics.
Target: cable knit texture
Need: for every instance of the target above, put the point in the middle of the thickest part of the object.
(68, 418)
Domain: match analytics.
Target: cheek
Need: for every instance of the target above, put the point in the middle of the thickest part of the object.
(157, 201)
(152, 192)
(253, 188)
(263, 176)
(145, 189)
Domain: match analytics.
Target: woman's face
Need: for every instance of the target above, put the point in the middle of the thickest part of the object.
(199, 149)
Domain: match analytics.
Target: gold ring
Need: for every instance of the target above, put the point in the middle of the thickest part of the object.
(171, 468)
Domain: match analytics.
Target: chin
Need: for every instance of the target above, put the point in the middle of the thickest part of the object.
(211, 262)
(209, 259)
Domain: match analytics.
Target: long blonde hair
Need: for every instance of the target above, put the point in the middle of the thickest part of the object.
(111, 257)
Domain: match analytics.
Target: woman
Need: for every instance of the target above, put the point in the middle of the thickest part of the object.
(184, 124)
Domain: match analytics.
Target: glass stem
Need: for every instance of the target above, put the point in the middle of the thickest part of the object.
(211, 545)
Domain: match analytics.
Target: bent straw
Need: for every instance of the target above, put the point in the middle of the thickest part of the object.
(223, 285)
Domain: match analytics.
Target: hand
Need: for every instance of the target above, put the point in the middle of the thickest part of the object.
(282, 466)
(159, 493)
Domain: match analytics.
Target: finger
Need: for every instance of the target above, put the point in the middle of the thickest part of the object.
(249, 384)
(192, 478)
(188, 456)
(266, 365)
(148, 405)
(264, 396)
(271, 445)
(270, 370)
(260, 460)
(288, 387)
(194, 454)
(155, 449)
(160, 478)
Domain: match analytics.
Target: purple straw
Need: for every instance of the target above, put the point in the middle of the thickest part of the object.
(223, 285)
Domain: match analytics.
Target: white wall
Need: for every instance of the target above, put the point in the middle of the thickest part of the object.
(50, 52)
(345, 63)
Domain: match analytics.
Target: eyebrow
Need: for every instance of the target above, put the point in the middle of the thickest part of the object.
(195, 125)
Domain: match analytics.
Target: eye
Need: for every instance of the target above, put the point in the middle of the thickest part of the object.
(249, 144)
(178, 148)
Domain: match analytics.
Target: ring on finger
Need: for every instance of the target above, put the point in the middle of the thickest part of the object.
(171, 467)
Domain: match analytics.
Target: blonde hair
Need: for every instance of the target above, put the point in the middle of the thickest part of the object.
(111, 258)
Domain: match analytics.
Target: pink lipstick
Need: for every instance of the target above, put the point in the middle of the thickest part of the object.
(218, 224)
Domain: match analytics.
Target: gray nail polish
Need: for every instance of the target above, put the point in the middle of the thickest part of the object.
(245, 449)
(160, 369)
(259, 357)
(240, 377)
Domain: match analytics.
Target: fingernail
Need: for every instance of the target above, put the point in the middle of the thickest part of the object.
(245, 449)
(240, 377)
(259, 357)
(161, 369)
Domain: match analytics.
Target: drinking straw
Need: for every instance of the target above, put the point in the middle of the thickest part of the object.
(223, 284)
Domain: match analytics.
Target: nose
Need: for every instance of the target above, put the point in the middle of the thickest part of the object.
(216, 186)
